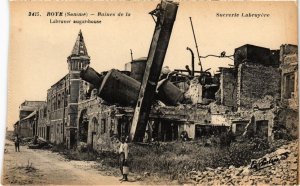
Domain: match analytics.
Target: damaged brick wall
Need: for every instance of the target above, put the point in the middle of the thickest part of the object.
(289, 76)
(98, 114)
(199, 114)
(26, 127)
(42, 121)
(286, 50)
(186, 116)
(258, 122)
(255, 82)
(102, 124)
(264, 122)
(228, 87)
(83, 89)
(288, 119)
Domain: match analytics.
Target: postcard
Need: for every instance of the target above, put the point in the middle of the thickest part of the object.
(152, 92)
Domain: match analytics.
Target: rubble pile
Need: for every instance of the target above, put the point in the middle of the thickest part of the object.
(25, 141)
(277, 168)
(39, 143)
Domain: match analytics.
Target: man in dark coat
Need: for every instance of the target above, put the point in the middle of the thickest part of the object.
(17, 143)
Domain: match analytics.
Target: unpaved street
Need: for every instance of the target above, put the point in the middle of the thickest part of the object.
(44, 167)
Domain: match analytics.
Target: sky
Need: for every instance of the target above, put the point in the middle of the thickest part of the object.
(38, 50)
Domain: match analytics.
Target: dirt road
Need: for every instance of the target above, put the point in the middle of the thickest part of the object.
(44, 167)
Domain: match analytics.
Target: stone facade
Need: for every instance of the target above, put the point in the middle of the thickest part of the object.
(59, 123)
(289, 116)
(56, 117)
(27, 124)
(43, 128)
(256, 88)
(255, 82)
(289, 76)
(229, 87)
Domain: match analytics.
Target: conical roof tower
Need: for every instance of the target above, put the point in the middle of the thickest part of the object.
(79, 57)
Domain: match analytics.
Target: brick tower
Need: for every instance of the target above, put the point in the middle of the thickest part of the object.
(78, 59)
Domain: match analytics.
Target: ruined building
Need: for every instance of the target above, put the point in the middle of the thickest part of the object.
(246, 99)
(28, 118)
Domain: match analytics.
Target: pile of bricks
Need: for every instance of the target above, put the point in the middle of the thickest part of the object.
(281, 172)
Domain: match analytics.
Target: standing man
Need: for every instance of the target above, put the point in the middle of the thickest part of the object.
(123, 151)
(17, 143)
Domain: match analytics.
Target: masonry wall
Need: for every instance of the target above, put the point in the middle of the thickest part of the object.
(83, 89)
(255, 82)
(73, 98)
(264, 117)
(106, 123)
(201, 114)
(26, 128)
(186, 116)
(289, 76)
(43, 121)
(57, 112)
(228, 87)
(103, 121)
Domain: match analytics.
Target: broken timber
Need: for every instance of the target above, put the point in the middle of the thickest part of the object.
(166, 14)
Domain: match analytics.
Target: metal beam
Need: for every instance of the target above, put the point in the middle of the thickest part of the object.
(166, 14)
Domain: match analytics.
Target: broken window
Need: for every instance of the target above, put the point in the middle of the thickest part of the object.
(48, 133)
(45, 112)
(112, 127)
(58, 101)
(53, 103)
(66, 99)
(289, 85)
(103, 126)
(262, 128)
(199, 131)
(83, 126)
(123, 127)
(240, 127)
(63, 99)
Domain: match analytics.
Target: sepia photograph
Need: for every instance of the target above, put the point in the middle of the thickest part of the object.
(152, 93)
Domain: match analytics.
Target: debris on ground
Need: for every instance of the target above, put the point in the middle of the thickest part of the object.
(276, 168)
(25, 141)
(39, 143)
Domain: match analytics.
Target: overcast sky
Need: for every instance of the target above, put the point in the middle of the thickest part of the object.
(39, 50)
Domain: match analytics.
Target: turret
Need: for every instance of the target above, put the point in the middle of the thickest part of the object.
(79, 57)
(78, 60)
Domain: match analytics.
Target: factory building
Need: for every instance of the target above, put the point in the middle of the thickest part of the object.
(245, 99)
